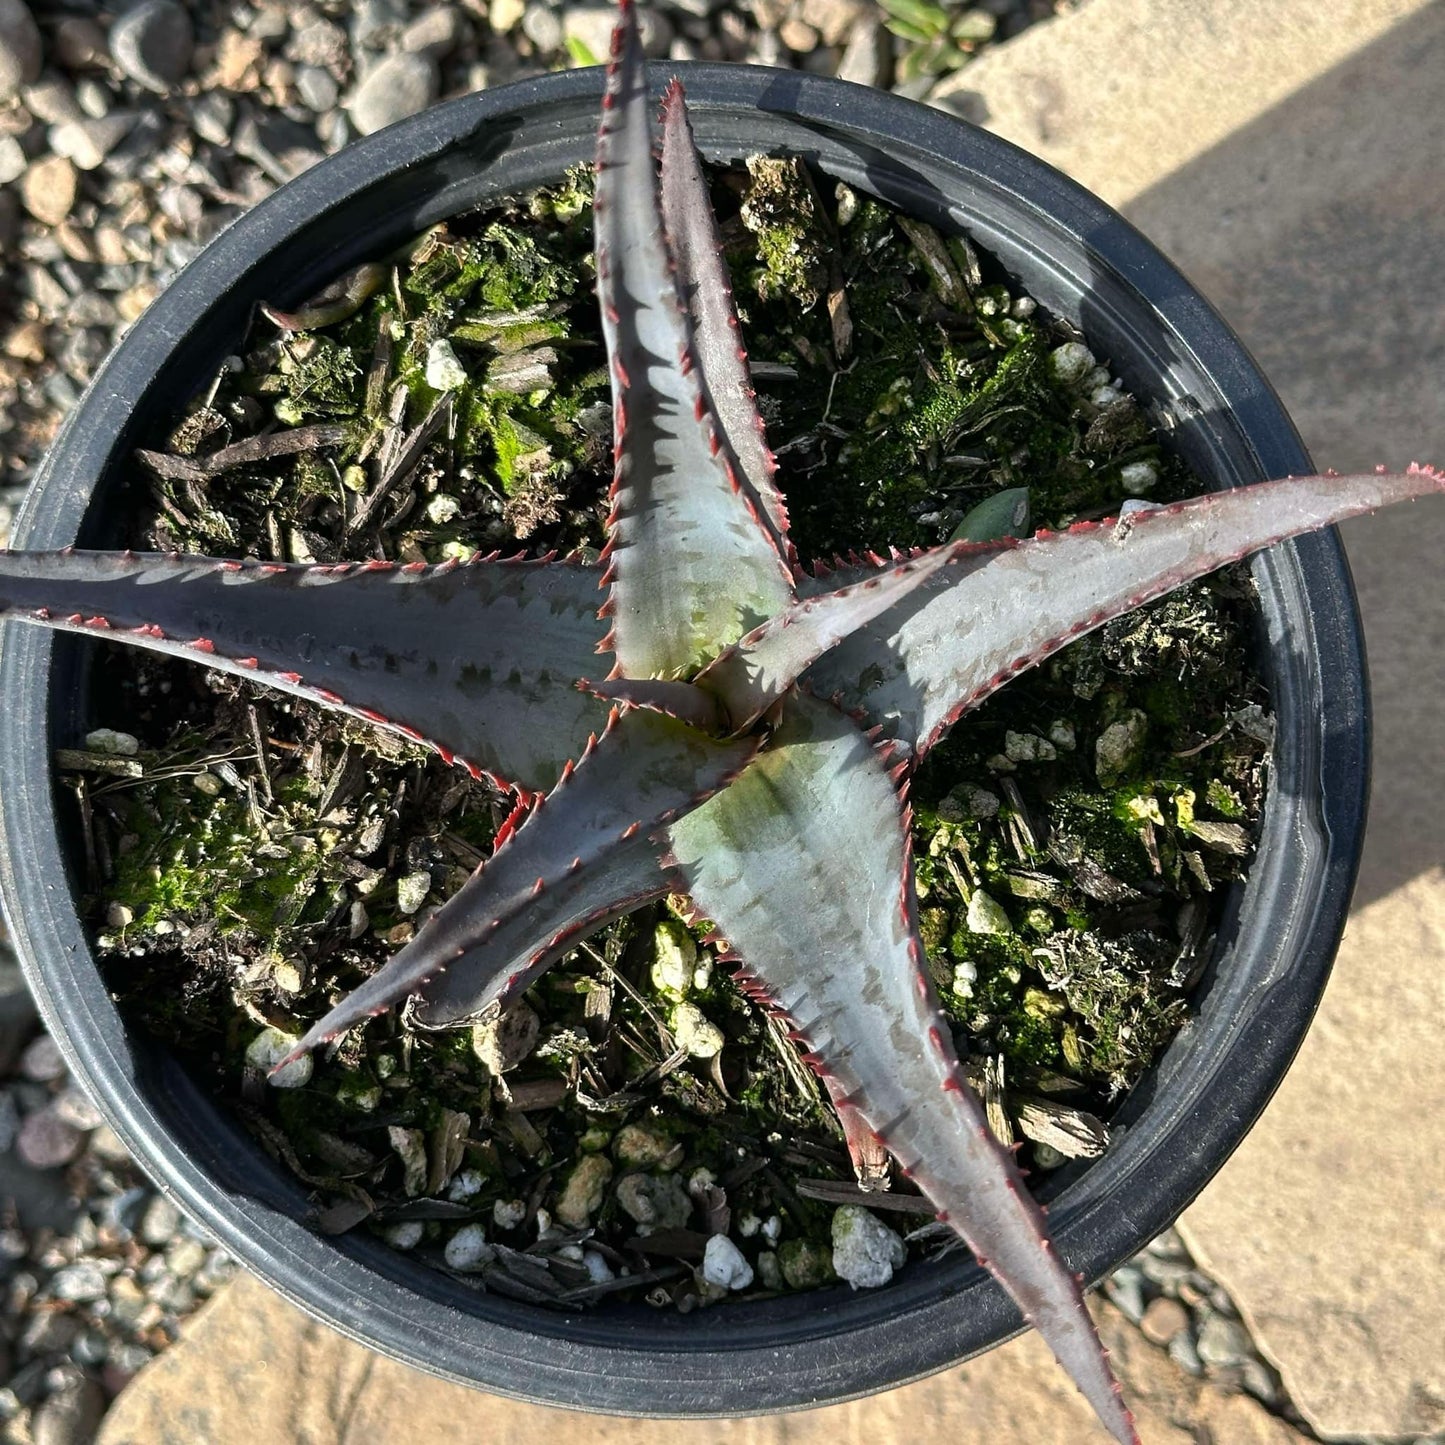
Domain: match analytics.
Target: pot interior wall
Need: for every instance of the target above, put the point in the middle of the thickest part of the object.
(1077, 259)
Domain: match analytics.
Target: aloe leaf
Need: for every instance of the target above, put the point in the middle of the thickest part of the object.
(1002, 607)
(706, 289)
(529, 940)
(751, 675)
(690, 565)
(479, 659)
(682, 700)
(1005, 514)
(803, 866)
(642, 773)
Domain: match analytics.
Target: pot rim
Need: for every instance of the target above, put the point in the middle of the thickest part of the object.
(801, 1350)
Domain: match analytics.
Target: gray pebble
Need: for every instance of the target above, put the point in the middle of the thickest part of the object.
(152, 44)
(542, 27)
(160, 1222)
(1166, 1273)
(400, 86)
(865, 56)
(1223, 1341)
(19, 48)
(93, 97)
(268, 23)
(1125, 1287)
(212, 116)
(42, 1062)
(185, 1257)
(49, 1332)
(46, 1141)
(90, 1348)
(12, 160)
(79, 41)
(71, 1416)
(375, 22)
(317, 88)
(435, 32)
(88, 142)
(79, 1283)
(1184, 1354)
(73, 1104)
(52, 99)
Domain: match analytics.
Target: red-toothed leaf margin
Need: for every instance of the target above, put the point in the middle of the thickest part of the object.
(803, 866)
(642, 773)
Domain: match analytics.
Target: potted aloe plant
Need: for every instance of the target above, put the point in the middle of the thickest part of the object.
(696, 714)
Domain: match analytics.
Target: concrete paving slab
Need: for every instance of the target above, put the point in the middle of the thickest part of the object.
(1288, 158)
(252, 1368)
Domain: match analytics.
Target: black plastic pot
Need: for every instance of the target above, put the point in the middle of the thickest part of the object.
(1077, 258)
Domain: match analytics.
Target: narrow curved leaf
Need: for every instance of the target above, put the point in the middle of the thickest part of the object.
(690, 566)
(707, 292)
(1002, 607)
(644, 771)
(479, 660)
(803, 866)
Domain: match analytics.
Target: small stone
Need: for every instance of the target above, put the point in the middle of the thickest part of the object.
(49, 1333)
(88, 142)
(79, 1283)
(986, 915)
(46, 1141)
(642, 1146)
(152, 44)
(1071, 362)
(19, 48)
(71, 1416)
(185, 1257)
(12, 161)
(1137, 477)
(598, 1270)
(411, 890)
(769, 1270)
(443, 370)
(212, 116)
(1104, 397)
(435, 32)
(542, 27)
(865, 56)
(108, 740)
(400, 86)
(160, 1222)
(585, 1189)
(1163, 1319)
(1184, 1354)
(505, 15)
(1223, 1342)
(267, 1050)
(798, 35)
(865, 1250)
(1061, 734)
(509, 1213)
(406, 1234)
(804, 1265)
(79, 42)
(502, 1043)
(654, 1201)
(467, 1250)
(317, 88)
(695, 1033)
(965, 975)
(42, 1062)
(74, 1107)
(52, 99)
(47, 189)
(725, 1265)
(591, 27)
(1028, 748)
(1119, 746)
(674, 962)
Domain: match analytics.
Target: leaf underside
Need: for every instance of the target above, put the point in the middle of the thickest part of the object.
(644, 771)
(1003, 607)
(480, 660)
(803, 867)
(690, 566)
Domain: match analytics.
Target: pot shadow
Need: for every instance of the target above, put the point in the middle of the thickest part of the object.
(1319, 233)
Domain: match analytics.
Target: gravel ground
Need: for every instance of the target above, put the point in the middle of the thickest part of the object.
(129, 136)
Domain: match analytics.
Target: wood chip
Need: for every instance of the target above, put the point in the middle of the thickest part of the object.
(837, 1191)
(243, 453)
